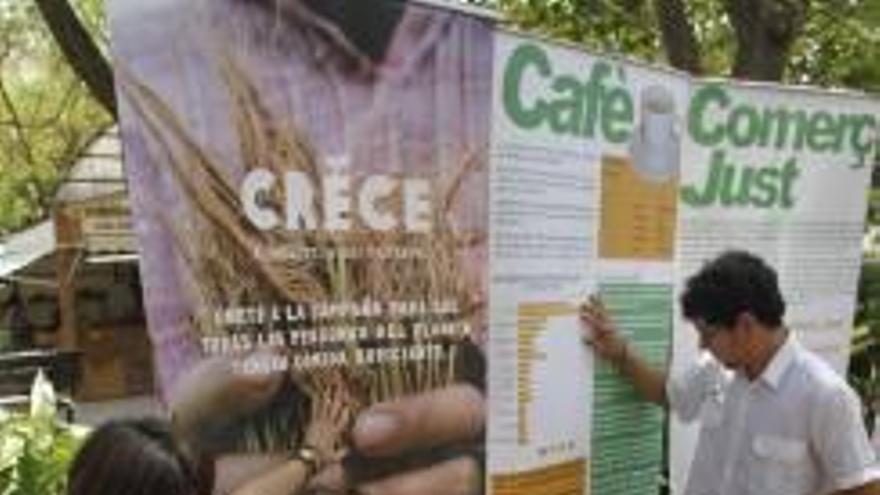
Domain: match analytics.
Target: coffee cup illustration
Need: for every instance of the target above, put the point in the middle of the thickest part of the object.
(655, 147)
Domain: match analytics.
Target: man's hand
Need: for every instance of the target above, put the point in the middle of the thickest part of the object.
(600, 332)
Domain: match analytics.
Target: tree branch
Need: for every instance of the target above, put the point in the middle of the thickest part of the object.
(679, 40)
(80, 50)
(17, 125)
(68, 100)
(765, 32)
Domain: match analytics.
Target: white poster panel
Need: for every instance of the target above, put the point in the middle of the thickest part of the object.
(783, 173)
(544, 180)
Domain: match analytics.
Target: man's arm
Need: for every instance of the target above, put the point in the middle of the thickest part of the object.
(601, 333)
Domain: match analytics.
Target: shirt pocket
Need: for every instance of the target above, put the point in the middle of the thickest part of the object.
(779, 466)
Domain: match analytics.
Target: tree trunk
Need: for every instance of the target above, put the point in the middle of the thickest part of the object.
(679, 39)
(80, 50)
(765, 31)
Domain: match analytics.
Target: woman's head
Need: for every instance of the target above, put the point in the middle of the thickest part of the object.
(132, 457)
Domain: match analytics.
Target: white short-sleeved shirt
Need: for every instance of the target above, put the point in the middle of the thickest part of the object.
(796, 430)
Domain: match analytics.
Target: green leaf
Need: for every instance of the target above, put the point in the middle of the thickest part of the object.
(35, 454)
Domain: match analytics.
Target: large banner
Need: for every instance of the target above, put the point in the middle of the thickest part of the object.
(544, 221)
(309, 182)
(378, 199)
(585, 175)
(781, 172)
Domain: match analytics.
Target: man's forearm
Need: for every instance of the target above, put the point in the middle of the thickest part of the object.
(648, 381)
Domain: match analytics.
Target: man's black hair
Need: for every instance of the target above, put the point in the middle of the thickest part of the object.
(734, 283)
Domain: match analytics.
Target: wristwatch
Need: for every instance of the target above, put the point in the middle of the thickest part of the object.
(309, 456)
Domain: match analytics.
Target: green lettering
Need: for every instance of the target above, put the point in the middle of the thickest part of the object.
(765, 187)
(800, 136)
(742, 126)
(526, 56)
(693, 196)
(746, 179)
(729, 195)
(823, 132)
(594, 94)
(617, 116)
(790, 172)
(864, 138)
(700, 103)
(565, 113)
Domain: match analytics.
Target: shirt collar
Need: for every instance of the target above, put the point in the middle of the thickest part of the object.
(781, 361)
(415, 35)
(316, 26)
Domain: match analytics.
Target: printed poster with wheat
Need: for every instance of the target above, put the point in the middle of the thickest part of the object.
(309, 186)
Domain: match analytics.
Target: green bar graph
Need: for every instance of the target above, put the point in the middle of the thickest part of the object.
(627, 431)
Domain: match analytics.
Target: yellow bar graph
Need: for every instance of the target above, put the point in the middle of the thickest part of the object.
(531, 323)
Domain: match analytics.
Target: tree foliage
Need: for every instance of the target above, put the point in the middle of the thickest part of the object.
(840, 46)
(826, 43)
(46, 113)
(36, 452)
(865, 361)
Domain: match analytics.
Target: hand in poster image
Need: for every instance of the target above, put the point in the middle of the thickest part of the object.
(330, 419)
(215, 391)
(445, 425)
(437, 436)
(255, 96)
(307, 90)
(321, 446)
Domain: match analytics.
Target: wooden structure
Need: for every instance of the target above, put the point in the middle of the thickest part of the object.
(82, 294)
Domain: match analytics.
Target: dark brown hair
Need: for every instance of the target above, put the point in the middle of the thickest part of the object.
(733, 283)
(132, 457)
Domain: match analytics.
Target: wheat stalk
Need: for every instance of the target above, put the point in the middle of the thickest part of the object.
(217, 249)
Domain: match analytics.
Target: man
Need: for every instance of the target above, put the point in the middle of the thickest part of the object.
(775, 419)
